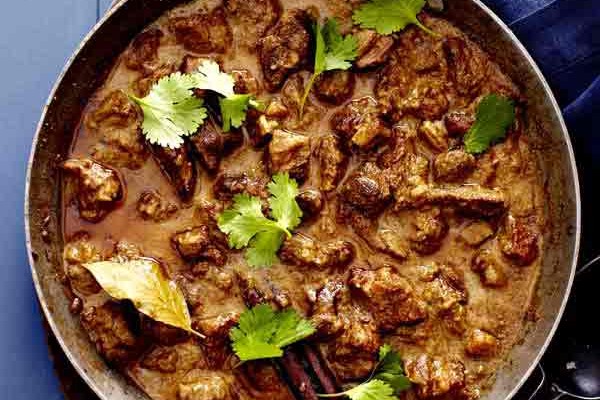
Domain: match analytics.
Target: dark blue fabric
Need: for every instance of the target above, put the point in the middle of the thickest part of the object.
(563, 36)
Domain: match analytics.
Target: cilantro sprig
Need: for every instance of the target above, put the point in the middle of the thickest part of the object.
(385, 383)
(495, 114)
(389, 16)
(332, 51)
(263, 332)
(172, 111)
(246, 225)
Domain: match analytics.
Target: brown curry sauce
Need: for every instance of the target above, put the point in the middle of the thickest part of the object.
(453, 239)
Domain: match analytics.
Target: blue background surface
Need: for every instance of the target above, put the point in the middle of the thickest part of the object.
(37, 37)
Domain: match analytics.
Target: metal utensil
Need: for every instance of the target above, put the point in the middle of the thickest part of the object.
(85, 72)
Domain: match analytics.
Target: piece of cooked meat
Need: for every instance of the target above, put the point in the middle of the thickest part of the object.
(210, 144)
(211, 385)
(303, 251)
(453, 166)
(98, 188)
(179, 168)
(197, 243)
(245, 82)
(471, 199)
(373, 49)
(118, 121)
(161, 359)
(435, 376)
(389, 296)
(228, 185)
(476, 232)
(430, 229)
(109, 331)
(519, 241)
(360, 123)
(335, 87)
(285, 49)
(203, 32)
(253, 18)
(154, 207)
(289, 152)
(480, 343)
(490, 269)
(311, 202)
(332, 162)
(143, 51)
(367, 190)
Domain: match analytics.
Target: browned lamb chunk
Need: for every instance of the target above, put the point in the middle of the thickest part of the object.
(471, 199)
(162, 333)
(518, 241)
(210, 385)
(311, 202)
(435, 134)
(350, 332)
(324, 309)
(143, 51)
(490, 270)
(79, 249)
(109, 331)
(389, 296)
(430, 230)
(198, 243)
(305, 252)
(118, 121)
(143, 85)
(254, 17)
(473, 74)
(335, 87)
(262, 381)
(153, 206)
(285, 49)
(210, 145)
(245, 82)
(413, 81)
(353, 355)
(454, 165)
(435, 376)
(179, 168)
(161, 359)
(458, 122)
(367, 190)
(476, 232)
(203, 32)
(98, 190)
(373, 49)
(81, 280)
(480, 343)
(289, 152)
(228, 185)
(360, 122)
(332, 161)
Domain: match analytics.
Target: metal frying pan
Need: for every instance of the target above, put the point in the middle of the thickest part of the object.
(86, 70)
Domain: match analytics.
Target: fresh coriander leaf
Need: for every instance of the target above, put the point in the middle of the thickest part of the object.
(389, 16)
(284, 207)
(263, 332)
(495, 114)
(332, 52)
(233, 110)
(244, 221)
(171, 111)
(262, 250)
(209, 77)
(372, 390)
(246, 225)
(390, 370)
(142, 281)
(386, 381)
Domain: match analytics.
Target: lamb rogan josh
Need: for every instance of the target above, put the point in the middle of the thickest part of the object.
(384, 213)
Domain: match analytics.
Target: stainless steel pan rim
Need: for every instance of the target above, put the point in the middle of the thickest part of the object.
(115, 9)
